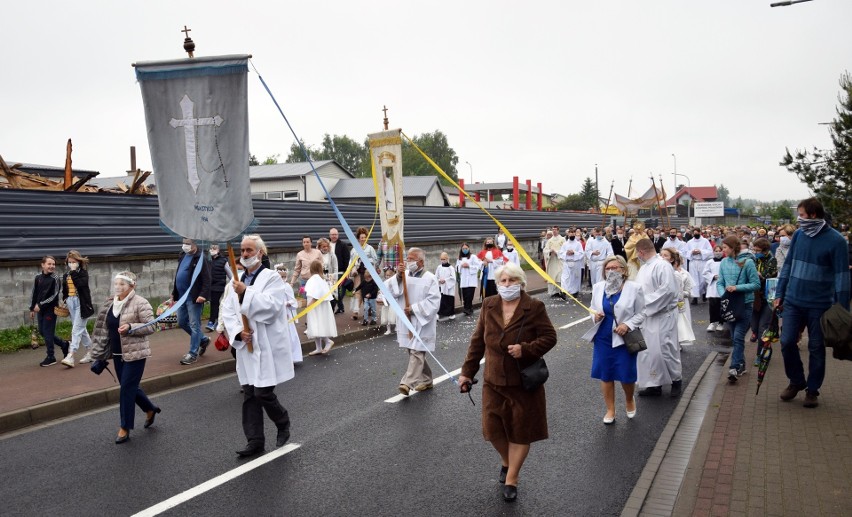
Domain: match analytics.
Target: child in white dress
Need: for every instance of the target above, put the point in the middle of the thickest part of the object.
(321, 324)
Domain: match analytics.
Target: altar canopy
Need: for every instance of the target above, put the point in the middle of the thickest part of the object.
(651, 198)
(196, 112)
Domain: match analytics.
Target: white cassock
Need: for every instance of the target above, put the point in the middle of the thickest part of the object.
(424, 297)
(291, 309)
(572, 265)
(512, 256)
(469, 276)
(711, 276)
(448, 275)
(604, 250)
(628, 310)
(697, 261)
(271, 362)
(677, 244)
(552, 263)
(685, 335)
(660, 363)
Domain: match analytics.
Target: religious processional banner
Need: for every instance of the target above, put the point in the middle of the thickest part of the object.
(386, 153)
(196, 112)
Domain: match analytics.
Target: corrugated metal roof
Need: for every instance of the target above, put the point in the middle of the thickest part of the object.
(38, 223)
(360, 188)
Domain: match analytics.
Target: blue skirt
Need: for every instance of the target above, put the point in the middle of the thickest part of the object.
(608, 363)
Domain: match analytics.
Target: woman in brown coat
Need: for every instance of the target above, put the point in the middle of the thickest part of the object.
(513, 331)
(121, 334)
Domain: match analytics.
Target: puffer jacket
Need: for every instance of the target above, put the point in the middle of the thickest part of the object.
(134, 346)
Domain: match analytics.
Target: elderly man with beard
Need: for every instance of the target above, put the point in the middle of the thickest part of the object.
(660, 363)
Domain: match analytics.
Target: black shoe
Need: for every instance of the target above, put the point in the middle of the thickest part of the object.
(364, 323)
(677, 388)
(510, 493)
(205, 342)
(64, 346)
(695, 301)
(48, 361)
(250, 450)
(121, 439)
(654, 391)
(811, 400)
(502, 477)
(283, 436)
(150, 421)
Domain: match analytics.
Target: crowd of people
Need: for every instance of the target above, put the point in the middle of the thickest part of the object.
(640, 280)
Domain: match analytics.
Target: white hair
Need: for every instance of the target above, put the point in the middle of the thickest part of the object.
(513, 271)
(257, 241)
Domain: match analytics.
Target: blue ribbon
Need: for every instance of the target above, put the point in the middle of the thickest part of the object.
(171, 310)
(401, 316)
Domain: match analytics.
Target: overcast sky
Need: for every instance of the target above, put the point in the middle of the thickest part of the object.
(541, 90)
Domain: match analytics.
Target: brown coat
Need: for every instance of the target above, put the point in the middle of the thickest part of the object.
(136, 311)
(536, 338)
(509, 412)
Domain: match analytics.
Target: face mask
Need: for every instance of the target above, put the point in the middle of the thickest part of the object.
(509, 292)
(489, 245)
(656, 235)
(598, 237)
(465, 251)
(445, 264)
(411, 267)
(753, 234)
(249, 262)
(620, 235)
(614, 281)
(696, 235)
(571, 237)
(759, 255)
(214, 253)
(672, 237)
(73, 266)
(186, 248)
(785, 241)
(510, 248)
(717, 254)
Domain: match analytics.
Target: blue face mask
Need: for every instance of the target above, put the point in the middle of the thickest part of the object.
(758, 255)
(465, 251)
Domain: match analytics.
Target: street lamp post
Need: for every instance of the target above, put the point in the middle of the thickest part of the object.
(471, 172)
(689, 189)
(675, 172)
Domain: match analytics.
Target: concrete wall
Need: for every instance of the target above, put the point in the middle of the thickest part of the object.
(155, 277)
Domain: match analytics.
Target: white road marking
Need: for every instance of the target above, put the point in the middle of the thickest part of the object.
(217, 481)
(587, 318)
(437, 380)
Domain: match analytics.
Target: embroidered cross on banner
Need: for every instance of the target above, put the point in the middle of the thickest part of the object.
(189, 123)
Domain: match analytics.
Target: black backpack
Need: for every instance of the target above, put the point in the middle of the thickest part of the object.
(836, 326)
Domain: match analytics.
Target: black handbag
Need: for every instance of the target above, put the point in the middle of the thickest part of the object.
(732, 305)
(535, 374)
(633, 340)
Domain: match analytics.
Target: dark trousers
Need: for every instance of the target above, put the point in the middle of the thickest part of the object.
(715, 306)
(490, 288)
(338, 303)
(255, 400)
(448, 305)
(129, 375)
(47, 329)
(215, 298)
(467, 299)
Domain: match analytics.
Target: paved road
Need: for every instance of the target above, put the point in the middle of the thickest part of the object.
(358, 454)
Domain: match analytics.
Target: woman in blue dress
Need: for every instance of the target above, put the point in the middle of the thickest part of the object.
(618, 306)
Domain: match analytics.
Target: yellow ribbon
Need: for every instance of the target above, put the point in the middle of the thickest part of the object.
(511, 237)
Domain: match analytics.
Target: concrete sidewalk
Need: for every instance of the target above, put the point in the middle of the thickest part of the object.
(30, 394)
(755, 454)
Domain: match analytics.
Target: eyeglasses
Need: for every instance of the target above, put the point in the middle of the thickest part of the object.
(617, 268)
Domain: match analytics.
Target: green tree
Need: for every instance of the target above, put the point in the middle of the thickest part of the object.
(574, 202)
(345, 151)
(253, 160)
(724, 195)
(436, 147)
(589, 193)
(296, 155)
(272, 159)
(782, 211)
(828, 172)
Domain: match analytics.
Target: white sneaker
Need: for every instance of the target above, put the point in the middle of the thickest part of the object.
(387, 332)
(452, 316)
(711, 327)
(86, 358)
(720, 327)
(68, 360)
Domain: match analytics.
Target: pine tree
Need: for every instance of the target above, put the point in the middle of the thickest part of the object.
(828, 172)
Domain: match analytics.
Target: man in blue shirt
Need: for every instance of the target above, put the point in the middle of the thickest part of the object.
(189, 314)
(815, 276)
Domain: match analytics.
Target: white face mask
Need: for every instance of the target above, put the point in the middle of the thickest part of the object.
(411, 266)
(509, 292)
(73, 266)
(614, 281)
(250, 262)
(213, 253)
(186, 248)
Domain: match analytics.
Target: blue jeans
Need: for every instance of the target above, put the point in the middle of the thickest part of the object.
(370, 305)
(795, 319)
(79, 333)
(130, 395)
(189, 319)
(738, 331)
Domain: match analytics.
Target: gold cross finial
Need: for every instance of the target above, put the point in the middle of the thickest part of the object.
(385, 110)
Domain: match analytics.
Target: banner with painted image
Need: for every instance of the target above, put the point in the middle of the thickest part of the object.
(386, 153)
(196, 113)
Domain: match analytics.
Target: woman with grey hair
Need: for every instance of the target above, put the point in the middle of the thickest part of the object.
(513, 332)
(618, 305)
(121, 333)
